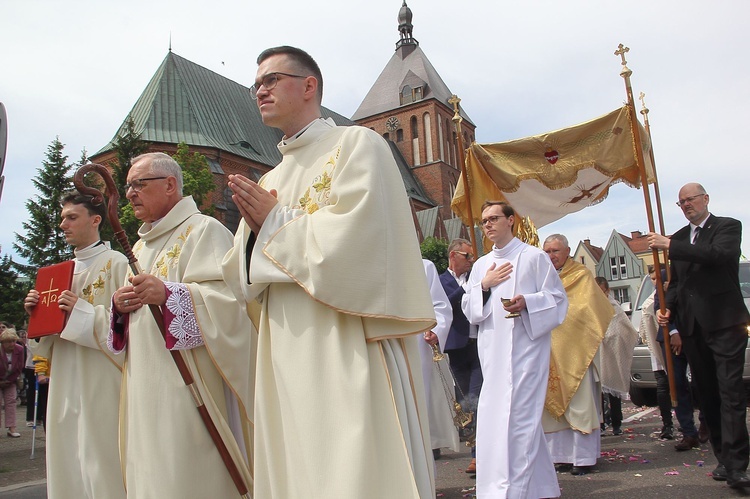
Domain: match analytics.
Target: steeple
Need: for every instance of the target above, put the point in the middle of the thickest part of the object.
(407, 42)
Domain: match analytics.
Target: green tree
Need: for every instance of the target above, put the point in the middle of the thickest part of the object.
(44, 242)
(197, 178)
(435, 250)
(127, 146)
(12, 293)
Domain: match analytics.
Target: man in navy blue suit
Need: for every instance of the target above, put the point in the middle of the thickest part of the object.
(705, 301)
(461, 346)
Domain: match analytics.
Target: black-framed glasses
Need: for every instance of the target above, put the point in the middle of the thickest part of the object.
(466, 255)
(491, 220)
(269, 81)
(137, 184)
(683, 202)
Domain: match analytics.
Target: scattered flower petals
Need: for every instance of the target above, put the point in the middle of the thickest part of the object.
(699, 464)
(671, 473)
(637, 474)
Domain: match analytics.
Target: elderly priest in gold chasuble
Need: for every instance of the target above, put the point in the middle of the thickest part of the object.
(571, 419)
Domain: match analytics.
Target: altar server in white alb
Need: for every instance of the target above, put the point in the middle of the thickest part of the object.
(512, 456)
(165, 446)
(83, 458)
(438, 381)
(329, 249)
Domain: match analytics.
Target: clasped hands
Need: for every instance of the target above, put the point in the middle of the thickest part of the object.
(253, 201)
(144, 289)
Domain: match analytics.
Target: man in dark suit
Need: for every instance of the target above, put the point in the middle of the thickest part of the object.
(705, 301)
(461, 346)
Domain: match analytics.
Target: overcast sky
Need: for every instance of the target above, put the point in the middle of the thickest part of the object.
(74, 69)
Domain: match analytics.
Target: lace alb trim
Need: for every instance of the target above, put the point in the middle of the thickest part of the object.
(183, 327)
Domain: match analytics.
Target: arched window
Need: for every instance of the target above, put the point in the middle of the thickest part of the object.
(414, 128)
(406, 95)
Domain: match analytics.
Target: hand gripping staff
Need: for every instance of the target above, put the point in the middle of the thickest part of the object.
(179, 361)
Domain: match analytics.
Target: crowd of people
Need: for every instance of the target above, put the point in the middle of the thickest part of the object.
(315, 327)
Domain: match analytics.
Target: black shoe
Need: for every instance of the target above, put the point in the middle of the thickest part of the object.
(616, 431)
(738, 479)
(667, 433)
(720, 473)
(563, 467)
(703, 433)
(435, 454)
(580, 470)
(687, 443)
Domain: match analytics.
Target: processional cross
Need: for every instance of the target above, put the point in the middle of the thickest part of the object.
(621, 51)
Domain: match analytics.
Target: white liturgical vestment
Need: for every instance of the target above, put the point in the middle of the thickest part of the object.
(512, 456)
(342, 299)
(83, 458)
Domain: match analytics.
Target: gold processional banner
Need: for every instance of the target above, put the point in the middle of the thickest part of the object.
(545, 177)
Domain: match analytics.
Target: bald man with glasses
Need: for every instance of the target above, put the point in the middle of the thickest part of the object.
(705, 302)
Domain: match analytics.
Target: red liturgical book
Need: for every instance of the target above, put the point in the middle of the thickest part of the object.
(47, 317)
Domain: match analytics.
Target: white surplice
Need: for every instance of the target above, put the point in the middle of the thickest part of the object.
(83, 458)
(437, 375)
(334, 274)
(512, 456)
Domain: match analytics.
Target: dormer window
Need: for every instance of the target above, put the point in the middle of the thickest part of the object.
(411, 94)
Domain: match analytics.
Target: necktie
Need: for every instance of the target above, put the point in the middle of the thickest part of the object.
(696, 234)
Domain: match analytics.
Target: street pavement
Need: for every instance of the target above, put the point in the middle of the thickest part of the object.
(633, 465)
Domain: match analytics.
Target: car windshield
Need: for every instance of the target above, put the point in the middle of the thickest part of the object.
(647, 287)
(745, 278)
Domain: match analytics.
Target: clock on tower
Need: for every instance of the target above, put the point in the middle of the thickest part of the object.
(392, 123)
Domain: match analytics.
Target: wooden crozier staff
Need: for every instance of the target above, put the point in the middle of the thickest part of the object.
(625, 73)
(179, 361)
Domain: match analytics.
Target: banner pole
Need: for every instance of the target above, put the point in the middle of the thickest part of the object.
(625, 73)
(657, 191)
(457, 119)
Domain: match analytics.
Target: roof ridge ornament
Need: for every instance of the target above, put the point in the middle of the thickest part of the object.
(405, 27)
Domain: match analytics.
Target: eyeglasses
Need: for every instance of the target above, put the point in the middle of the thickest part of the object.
(683, 202)
(466, 255)
(137, 184)
(492, 220)
(269, 81)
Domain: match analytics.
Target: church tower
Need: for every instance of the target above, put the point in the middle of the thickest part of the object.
(408, 105)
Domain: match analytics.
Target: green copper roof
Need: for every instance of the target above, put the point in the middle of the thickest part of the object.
(185, 102)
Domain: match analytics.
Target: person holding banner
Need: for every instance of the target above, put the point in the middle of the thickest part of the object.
(516, 298)
(705, 301)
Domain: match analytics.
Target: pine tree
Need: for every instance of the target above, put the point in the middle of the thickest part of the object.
(44, 242)
(12, 293)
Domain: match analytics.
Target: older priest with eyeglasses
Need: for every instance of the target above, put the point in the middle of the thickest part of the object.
(165, 447)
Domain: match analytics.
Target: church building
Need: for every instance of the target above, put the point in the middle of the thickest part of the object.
(409, 105)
